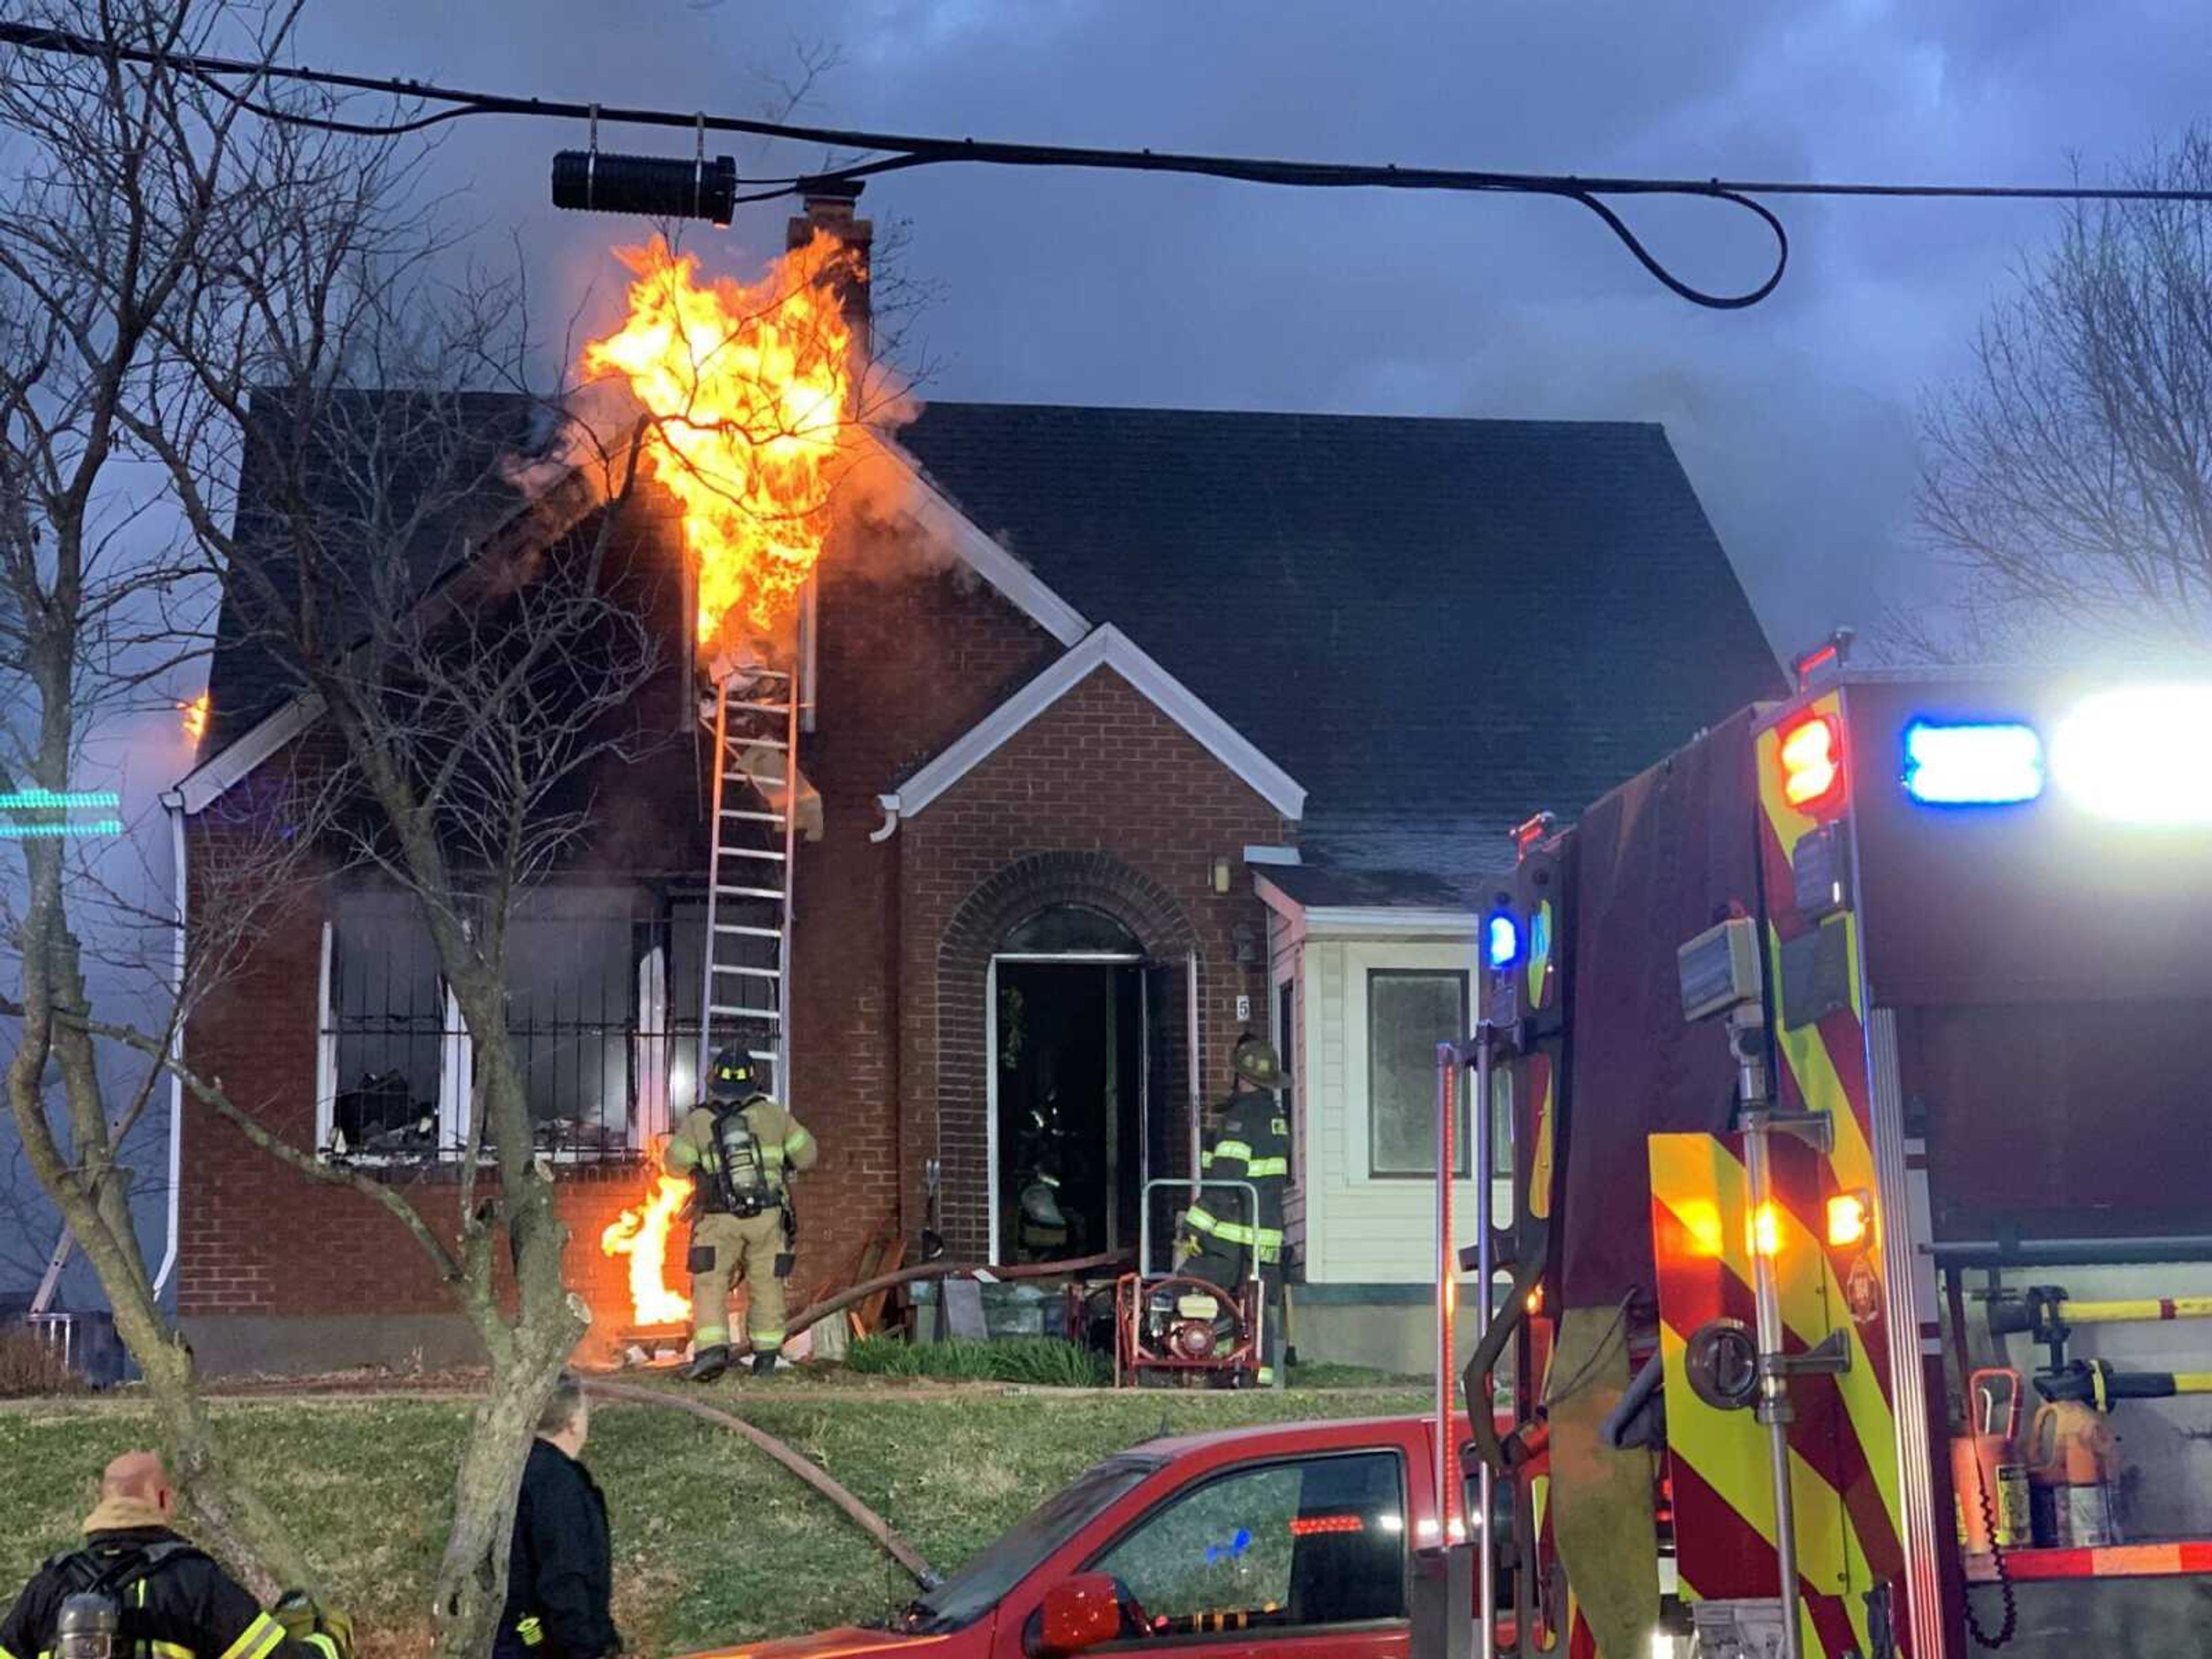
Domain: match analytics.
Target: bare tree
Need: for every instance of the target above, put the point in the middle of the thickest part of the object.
(123, 184)
(189, 285)
(2069, 474)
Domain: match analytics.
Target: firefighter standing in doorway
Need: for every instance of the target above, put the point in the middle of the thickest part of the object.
(740, 1148)
(1251, 1141)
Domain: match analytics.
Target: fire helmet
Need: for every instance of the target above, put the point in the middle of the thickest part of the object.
(1257, 1063)
(733, 1077)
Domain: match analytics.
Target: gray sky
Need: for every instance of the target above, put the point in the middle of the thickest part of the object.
(1796, 420)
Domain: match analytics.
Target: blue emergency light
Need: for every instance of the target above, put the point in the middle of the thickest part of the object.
(1501, 939)
(1976, 763)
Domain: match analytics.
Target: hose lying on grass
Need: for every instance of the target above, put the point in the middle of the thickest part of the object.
(886, 1537)
(815, 1312)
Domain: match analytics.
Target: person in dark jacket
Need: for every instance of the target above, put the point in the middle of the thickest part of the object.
(560, 1573)
(168, 1596)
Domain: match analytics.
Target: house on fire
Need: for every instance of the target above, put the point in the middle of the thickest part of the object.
(1180, 724)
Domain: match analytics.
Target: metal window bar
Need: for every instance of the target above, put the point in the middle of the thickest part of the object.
(607, 1063)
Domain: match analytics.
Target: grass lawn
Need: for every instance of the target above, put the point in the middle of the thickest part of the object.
(713, 1542)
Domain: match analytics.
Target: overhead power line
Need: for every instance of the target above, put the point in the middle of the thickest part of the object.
(892, 152)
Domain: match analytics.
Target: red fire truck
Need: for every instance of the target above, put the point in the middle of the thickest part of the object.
(1852, 1070)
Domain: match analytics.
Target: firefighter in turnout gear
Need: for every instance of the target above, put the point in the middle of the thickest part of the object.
(1251, 1141)
(138, 1588)
(740, 1148)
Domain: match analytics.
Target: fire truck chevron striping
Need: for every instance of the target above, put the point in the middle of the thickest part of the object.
(1839, 1023)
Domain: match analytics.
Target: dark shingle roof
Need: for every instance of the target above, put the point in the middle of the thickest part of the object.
(1436, 626)
(436, 455)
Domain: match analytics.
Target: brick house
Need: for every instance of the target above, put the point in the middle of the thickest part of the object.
(1179, 724)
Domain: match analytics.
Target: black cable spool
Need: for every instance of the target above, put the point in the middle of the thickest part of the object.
(655, 186)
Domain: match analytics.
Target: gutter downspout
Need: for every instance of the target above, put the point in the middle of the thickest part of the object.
(888, 806)
(172, 802)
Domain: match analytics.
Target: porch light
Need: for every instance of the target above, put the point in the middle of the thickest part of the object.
(1223, 871)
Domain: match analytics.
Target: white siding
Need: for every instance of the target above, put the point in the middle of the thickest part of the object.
(1361, 1230)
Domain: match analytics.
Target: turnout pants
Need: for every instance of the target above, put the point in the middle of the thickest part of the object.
(725, 1248)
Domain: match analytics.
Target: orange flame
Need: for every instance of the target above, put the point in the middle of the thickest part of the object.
(749, 390)
(642, 1236)
(196, 717)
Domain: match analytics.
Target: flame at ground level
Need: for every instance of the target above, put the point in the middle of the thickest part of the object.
(642, 1236)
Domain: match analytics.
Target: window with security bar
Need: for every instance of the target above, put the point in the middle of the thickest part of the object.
(602, 1017)
(392, 1087)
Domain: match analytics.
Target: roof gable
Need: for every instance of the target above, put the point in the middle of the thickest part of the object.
(1105, 647)
(1437, 626)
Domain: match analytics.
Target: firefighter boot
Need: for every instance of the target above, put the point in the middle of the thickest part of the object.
(707, 1364)
(764, 1364)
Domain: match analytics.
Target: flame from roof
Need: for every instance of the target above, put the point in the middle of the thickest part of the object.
(750, 389)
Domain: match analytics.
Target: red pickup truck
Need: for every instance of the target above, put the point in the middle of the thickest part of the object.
(1296, 1537)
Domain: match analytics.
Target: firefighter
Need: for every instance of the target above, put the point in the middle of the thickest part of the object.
(137, 1586)
(740, 1148)
(1251, 1141)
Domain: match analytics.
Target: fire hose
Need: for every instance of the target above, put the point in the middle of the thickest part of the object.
(815, 1312)
(885, 1536)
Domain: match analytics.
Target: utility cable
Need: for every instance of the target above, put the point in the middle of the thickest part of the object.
(887, 152)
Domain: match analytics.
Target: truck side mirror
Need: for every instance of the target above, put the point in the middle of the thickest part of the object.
(1078, 1614)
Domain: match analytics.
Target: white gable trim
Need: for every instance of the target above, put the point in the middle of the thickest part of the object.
(202, 785)
(1017, 584)
(1366, 920)
(1106, 647)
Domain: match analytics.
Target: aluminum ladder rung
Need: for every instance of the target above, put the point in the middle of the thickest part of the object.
(749, 932)
(749, 973)
(776, 818)
(750, 852)
(764, 708)
(721, 1012)
(728, 891)
(740, 740)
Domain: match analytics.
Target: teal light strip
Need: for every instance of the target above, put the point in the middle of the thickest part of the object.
(53, 831)
(48, 800)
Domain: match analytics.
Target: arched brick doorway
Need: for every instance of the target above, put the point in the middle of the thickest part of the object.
(1139, 955)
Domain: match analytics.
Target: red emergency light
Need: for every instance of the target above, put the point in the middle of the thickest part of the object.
(1309, 1526)
(1811, 756)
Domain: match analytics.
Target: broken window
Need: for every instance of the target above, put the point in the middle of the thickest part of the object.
(573, 1008)
(389, 1034)
(601, 1014)
(1409, 1013)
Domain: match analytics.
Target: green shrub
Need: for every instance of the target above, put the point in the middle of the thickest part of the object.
(1039, 1362)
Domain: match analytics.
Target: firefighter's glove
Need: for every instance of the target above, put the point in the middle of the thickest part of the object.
(323, 1632)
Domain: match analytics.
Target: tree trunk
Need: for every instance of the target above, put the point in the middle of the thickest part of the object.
(528, 1356)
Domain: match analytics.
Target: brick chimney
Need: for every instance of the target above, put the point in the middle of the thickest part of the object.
(831, 205)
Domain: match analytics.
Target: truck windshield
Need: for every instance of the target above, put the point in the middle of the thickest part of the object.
(997, 1568)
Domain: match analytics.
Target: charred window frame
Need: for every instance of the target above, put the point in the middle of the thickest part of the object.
(603, 997)
(1409, 1011)
(392, 1082)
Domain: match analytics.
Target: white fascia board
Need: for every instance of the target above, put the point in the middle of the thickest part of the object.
(1278, 901)
(1105, 647)
(1383, 922)
(1272, 855)
(1017, 584)
(204, 785)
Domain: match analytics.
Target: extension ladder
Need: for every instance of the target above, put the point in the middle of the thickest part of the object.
(746, 999)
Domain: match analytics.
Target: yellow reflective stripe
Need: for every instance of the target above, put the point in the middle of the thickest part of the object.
(767, 1340)
(326, 1645)
(796, 1141)
(1231, 1149)
(172, 1650)
(1235, 1232)
(771, 1155)
(1268, 1166)
(1206, 1160)
(258, 1638)
(530, 1631)
(682, 1154)
(710, 1336)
